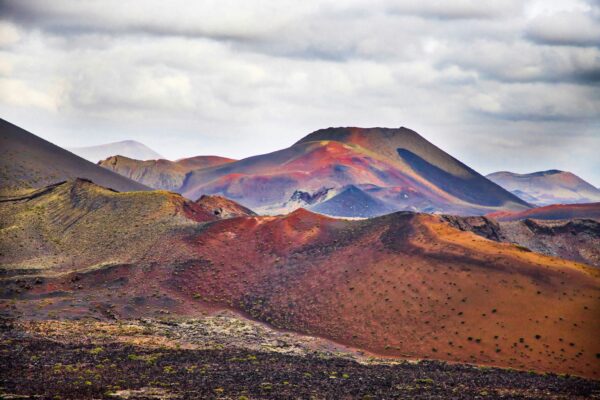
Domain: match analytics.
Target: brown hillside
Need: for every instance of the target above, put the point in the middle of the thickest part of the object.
(79, 224)
(402, 285)
(160, 174)
(27, 161)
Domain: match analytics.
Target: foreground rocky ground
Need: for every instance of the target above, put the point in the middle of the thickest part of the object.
(226, 357)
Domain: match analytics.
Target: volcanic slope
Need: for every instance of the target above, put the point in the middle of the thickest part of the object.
(399, 167)
(553, 212)
(79, 224)
(223, 208)
(401, 285)
(160, 174)
(547, 187)
(352, 202)
(572, 239)
(127, 148)
(27, 161)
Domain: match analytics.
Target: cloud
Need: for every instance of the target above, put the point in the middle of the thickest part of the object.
(18, 93)
(244, 77)
(457, 9)
(566, 29)
(9, 34)
(522, 61)
(235, 20)
(537, 102)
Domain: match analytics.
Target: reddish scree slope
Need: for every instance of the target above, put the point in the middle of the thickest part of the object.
(393, 161)
(270, 180)
(553, 212)
(402, 285)
(398, 167)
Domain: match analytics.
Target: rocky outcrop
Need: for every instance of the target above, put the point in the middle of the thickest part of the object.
(482, 226)
(223, 208)
(309, 198)
(574, 239)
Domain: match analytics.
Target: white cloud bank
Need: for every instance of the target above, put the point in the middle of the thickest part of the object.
(501, 84)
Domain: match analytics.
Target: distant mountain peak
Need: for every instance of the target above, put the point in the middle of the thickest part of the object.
(160, 173)
(128, 148)
(344, 134)
(551, 172)
(127, 141)
(530, 174)
(547, 187)
(352, 202)
(396, 167)
(118, 142)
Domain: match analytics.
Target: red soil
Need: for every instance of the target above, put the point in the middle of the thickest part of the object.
(322, 164)
(402, 285)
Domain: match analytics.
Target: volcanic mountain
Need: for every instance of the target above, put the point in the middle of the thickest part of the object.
(352, 202)
(397, 167)
(553, 212)
(160, 174)
(127, 148)
(29, 161)
(547, 187)
(402, 285)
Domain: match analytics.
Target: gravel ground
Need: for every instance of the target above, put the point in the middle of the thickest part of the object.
(75, 366)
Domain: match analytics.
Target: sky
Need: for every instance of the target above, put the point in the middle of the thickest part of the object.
(501, 85)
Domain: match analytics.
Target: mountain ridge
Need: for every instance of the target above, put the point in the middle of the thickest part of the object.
(337, 157)
(160, 173)
(28, 161)
(128, 148)
(547, 187)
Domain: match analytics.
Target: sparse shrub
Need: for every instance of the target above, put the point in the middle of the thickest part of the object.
(96, 350)
(523, 248)
(169, 369)
(425, 381)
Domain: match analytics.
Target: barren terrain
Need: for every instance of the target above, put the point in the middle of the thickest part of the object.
(227, 357)
(404, 285)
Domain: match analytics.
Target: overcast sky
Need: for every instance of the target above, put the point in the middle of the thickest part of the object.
(501, 85)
